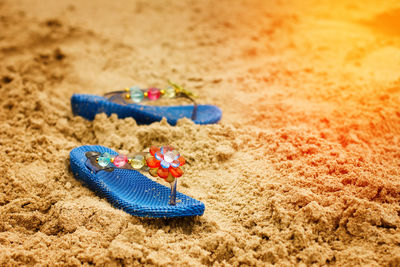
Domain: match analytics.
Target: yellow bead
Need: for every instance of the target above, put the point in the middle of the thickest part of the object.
(112, 159)
(169, 92)
(162, 91)
(145, 94)
(127, 96)
(137, 162)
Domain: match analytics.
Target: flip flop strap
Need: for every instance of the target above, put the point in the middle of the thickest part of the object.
(135, 95)
(161, 162)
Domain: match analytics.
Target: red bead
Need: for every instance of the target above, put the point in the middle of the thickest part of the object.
(153, 150)
(120, 161)
(163, 173)
(153, 93)
(152, 162)
(176, 172)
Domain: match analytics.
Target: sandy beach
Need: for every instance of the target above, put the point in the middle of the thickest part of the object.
(302, 170)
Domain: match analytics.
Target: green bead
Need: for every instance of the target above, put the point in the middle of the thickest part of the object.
(103, 161)
(137, 162)
(136, 94)
(169, 92)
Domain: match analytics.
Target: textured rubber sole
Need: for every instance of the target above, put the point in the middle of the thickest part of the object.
(130, 190)
(88, 106)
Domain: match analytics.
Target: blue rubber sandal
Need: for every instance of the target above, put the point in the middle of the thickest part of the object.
(117, 178)
(125, 103)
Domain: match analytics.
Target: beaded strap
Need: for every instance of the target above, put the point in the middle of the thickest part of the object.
(137, 95)
(164, 162)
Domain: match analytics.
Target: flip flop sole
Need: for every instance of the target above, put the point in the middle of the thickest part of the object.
(130, 190)
(88, 106)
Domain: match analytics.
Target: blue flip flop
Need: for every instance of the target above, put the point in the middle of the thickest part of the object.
(124, 103)
(127, 189)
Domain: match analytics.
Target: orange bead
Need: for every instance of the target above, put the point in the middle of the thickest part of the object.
(153, 150)
(153, 172)
(163, 173)
(170, 178)
(176, 172)
(182, 161)
(152, 162)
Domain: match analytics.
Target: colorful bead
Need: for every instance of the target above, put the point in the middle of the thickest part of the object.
(175, 163)
(137, 162)
(176, 172)
(169, 92)
(136, 94)
(182, 161)
(103, 161)
(153, 162)
(153, 150)
(163, 173)
(153, 93)
(153, 172)
(120, 161)
(170, 178)
(165, 164)
(170, 156)
(166, 161)
(165, 149)
(158, 155)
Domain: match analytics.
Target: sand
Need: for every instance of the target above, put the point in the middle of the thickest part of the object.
(303, 169)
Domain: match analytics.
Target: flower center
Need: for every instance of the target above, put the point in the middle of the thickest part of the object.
(169, 156)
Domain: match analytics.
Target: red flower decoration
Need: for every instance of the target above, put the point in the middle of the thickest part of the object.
(165, 163)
